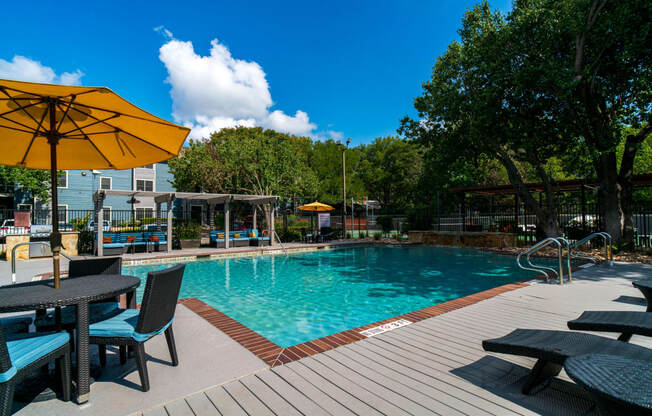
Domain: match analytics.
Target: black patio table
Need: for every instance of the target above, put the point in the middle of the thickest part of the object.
(645, 286)
(78, 292)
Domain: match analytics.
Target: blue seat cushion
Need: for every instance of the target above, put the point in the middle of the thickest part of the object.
(26, 348)
(98, 312)
(114, 245)
(13, 324)
(122, 325)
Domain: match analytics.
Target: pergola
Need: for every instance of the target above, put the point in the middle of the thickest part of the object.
(169, 197)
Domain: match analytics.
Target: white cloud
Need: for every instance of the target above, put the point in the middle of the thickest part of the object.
(24, 69)
(217, 90)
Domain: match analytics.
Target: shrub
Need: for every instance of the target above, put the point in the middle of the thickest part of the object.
(386, 223)
(349, 236)
(80, 224)
(85, 241)
(378, 235)
(188, 230)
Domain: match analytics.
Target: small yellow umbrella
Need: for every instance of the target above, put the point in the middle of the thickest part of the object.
(315, 207)
(45, 126)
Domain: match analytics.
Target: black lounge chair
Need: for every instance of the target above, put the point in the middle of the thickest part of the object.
(625, 322)
(618, 385)
(552, 348)
(133, 327)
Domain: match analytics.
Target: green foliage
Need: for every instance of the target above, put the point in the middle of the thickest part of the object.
(85, 241)
(80, 224)
(187, 230)
(386, 223)
(35, 182)
(378, 235)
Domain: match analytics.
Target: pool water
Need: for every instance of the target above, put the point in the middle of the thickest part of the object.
(299, 297)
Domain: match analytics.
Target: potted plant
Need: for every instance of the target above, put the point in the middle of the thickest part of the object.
(189, 235)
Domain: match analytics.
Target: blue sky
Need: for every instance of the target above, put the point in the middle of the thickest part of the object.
(351, 68)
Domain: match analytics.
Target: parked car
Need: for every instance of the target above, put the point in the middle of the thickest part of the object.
(106, 226)
(8, 227)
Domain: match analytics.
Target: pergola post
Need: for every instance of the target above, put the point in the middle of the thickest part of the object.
(169, 221)
(98, 201)
(227, 223)
(158, 216)
(254, 219)
(211, 215)
(272, 207)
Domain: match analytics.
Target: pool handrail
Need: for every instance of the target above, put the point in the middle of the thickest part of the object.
(28, 243)
(608, 252)
(538, 268)
(568, 257)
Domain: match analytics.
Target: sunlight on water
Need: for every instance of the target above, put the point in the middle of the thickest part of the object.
(300, 297)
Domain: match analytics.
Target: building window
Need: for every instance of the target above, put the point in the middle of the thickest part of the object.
(107, 214)
(105, 183)
(24, 207)
(144, 213)
(144, 185)
(63, 213)
(148, 166)
(63, 180)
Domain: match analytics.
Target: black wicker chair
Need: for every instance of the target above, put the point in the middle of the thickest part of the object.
(25, 354)
(133, 328)
(99, 310)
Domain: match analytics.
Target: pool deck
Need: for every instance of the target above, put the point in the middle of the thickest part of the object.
(434, 366)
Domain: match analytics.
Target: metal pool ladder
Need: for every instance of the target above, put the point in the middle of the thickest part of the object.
(608, 253)
(280, 243)
(560, 243)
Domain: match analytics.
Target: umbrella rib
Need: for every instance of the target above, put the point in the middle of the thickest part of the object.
(88, 125)
(21, 107)
(65, 113)
(91, 142)
(164, 122)
(29, 147)
(30, 131)
(123, 131)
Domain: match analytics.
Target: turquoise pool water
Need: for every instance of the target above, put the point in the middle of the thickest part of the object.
(296, 298)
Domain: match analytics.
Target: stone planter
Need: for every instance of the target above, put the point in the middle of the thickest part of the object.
(188, 244)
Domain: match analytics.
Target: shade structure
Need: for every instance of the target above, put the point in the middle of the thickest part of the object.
(45, 126)
(316, 207)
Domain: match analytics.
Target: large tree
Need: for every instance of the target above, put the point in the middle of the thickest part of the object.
(35, 182)
(554, 80)
(245, 160)
(483, 101)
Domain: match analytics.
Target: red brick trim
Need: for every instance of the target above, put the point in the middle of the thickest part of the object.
(275, 355)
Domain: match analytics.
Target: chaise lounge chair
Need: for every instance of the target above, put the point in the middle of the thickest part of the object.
(552, 348)
(625, 322)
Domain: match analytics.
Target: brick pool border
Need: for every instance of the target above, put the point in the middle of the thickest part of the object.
(275, 355)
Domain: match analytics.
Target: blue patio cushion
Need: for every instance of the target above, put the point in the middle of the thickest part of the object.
(122, 325)
(98, 311)
(113, 245)
(13, 324)
(26, 348)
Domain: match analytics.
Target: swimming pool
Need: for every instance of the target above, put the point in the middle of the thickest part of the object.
(299, 297)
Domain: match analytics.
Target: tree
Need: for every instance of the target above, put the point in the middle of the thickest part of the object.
(245, 160)
(35, 182)
(391, 170)
(483, 100)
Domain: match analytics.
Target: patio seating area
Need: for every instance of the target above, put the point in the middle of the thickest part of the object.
(435, 366)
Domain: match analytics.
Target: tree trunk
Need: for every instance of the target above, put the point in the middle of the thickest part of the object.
(610, 192)
(547, 224)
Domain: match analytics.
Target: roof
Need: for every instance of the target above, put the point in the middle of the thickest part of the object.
(644, 179)
(195, 196)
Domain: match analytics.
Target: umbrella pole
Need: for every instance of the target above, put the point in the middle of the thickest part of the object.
(55, 237)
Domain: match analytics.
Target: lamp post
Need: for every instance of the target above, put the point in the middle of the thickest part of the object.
(344, 187)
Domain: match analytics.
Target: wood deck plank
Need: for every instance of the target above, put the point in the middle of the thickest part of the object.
(224, 403)
(274, 401)
(201, 405)
(179, 408)
(247, 400)
(300, 401)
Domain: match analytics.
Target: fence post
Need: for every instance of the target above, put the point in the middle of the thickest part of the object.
(463, 211)
(516, 210)
(438, 213)
(583, 196)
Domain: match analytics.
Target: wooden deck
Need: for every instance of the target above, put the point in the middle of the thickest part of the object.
(436, 366)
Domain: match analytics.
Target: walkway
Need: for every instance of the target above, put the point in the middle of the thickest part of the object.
(436, 366)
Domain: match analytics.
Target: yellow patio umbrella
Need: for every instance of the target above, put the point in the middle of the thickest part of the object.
(45, 126)
(316, 207)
